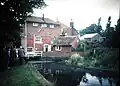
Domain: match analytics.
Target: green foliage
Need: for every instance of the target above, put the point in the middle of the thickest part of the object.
(25, 75)
(79, 48)
(103, 57)
(107, 57)
(12, 16)
(112, 35)
(93, 28)
(88, 30)
(103, 54)
(75, 59)
(116, 35)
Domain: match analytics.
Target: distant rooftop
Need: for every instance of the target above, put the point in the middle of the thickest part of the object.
(88, 36)
(40, 20)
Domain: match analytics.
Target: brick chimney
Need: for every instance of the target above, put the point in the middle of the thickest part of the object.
(71, 24)
(72, 27)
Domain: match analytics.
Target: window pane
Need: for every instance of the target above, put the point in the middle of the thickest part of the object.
(35, 24)
(43, 25)
(37, 38)
(51, 26)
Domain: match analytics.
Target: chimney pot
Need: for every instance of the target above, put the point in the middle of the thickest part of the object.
(71, 24)
(43, 17)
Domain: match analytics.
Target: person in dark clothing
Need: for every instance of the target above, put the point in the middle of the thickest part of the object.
(9, 58)
(21, 55)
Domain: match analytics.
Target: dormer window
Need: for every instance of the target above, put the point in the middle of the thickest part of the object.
(43, 25)
(35, 24)
(52, 26)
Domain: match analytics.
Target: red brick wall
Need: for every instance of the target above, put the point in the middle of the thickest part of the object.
(75, 43)
(46, 33)
(64, 49)
(30, 41)
(39, 47)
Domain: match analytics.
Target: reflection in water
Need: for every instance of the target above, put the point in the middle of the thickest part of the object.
(64, 76)
(96, 81)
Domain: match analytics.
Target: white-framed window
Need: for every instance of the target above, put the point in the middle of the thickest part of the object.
(43, 25)
(52, 26)
(38, 39)
(66, 34)
(35, 24)
(58, 48)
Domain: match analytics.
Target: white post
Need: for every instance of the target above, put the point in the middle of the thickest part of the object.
(25, 36)
(34, 42)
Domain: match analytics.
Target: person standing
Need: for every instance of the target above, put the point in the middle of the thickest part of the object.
(13, 55)
(21, 55)
(9, 58)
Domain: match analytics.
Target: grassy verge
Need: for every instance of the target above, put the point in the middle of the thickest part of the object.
(25, 75)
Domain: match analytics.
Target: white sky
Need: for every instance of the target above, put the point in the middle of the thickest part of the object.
(83, 12)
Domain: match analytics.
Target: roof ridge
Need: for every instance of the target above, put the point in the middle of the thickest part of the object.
(39, 19)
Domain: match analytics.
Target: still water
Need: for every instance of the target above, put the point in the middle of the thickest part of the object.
(95, 81)
(63, 75)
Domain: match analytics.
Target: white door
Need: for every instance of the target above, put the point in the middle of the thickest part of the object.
(49, 47)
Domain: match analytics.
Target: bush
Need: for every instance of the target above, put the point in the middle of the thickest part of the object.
(75, 59)
(106, 58)
(103, 58)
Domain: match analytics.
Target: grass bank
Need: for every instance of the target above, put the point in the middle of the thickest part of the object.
(25, 75)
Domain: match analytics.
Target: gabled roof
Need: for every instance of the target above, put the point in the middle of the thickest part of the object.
(62, 25)
(66, 27)
(88, 36)
(62, 40)
(40, 20)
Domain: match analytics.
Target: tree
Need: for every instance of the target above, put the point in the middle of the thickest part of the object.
(93, 28)
(112, 34)
(12, 16)
(98, 28)
(88, 30)
(116, 35)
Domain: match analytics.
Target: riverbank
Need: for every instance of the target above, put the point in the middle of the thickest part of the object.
(25, 75)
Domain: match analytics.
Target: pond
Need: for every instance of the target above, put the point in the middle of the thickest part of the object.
(63, 75)
(89, 80)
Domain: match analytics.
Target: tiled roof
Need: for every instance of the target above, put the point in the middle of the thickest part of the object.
(40, 20)
(62, 25)
(65, 27)
(62, 40)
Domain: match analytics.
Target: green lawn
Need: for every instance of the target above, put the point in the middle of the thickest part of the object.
(25, 75)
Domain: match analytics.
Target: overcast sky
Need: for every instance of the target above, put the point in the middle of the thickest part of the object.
(83, 12)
